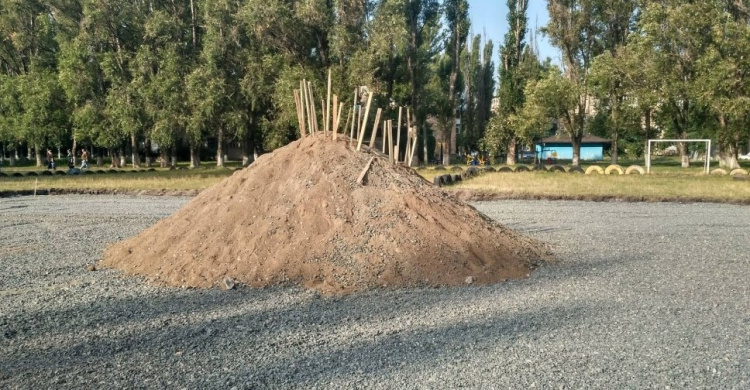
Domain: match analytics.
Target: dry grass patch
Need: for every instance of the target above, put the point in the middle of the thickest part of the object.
(632, 187)
(182, 180)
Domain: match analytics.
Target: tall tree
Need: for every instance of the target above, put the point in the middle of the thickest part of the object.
(609, 87)
(553, 98)
(677, 34)
(512, 80)
(485, 91)
(27, 56)
(723, 75)
(422, 25)
(457, 19)
(572, 28)
(478, 71)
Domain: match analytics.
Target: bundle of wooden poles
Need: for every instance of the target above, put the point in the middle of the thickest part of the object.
(330, 115)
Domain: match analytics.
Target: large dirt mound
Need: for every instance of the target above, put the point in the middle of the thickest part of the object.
(298, 216)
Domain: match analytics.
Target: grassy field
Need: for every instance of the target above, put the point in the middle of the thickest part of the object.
(668, 182)
(658, 187)
(175, 180)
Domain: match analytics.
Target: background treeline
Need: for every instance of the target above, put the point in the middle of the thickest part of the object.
(196, 77)
(121, 76)
(630, 70)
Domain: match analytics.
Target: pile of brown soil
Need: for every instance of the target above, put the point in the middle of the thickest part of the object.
(298, 216)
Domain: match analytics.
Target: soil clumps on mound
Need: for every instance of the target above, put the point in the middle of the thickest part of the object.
(298, 216)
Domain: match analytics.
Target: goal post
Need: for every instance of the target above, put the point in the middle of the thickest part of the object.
(706, 141)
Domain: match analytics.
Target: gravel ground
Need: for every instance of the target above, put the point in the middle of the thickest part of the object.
(641, 296)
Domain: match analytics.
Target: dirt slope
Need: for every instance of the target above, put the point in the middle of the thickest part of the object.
(298, 216)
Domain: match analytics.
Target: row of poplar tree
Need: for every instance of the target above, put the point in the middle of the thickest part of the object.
(128, 74)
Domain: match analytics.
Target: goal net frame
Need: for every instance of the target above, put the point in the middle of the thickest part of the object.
(707, 164)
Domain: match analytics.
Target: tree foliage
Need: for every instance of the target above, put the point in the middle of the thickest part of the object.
(203, 78)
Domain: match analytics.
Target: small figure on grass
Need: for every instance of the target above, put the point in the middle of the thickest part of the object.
(84, 159)
(50, 160)
(72, 164)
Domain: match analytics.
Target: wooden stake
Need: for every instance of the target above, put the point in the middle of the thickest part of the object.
(364, 123)
(312, 106)
(414, 146)
(359, 123)
(384, 136)
(410, 136)
(354, 112)
(348, 116)
(337, 122)
(335, 128)
(300, 116)
(390, 141)
(408, 119)
(398, 133)
(323, 114)
(362, 174)
(375, 128)
(310, 123)
(407, 152)
(328, 105)
(306, 99)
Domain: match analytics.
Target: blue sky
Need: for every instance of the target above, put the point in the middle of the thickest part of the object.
(491, 16)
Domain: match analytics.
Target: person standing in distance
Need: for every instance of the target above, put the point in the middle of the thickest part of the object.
(84, 159)
(50, 159)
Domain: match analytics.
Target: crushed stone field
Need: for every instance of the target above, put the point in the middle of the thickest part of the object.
(640, 295)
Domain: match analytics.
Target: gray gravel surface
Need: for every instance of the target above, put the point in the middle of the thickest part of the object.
(641, 296)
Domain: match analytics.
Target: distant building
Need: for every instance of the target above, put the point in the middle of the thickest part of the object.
(559, 147)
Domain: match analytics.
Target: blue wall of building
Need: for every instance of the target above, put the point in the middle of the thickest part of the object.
(589, 152)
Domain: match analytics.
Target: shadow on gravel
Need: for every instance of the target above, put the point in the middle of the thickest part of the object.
(415, 348)
(239, 335)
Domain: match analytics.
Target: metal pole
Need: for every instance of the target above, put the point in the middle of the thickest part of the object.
(648, 158)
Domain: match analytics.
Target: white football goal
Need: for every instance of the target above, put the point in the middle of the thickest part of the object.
(707, 155)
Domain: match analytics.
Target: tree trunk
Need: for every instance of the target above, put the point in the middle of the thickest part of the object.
(446, 148)
(195, 156)
(512, 149)
(576, 141)
(728, 146)
(173, 159)
(411, 66)
(13, 156)
(220, 148)
(73, 150)
(113, 158)
(163, 157)
(613, 152)
(136, 158)
(147, 153)
(684, 135)
(245, 151)
(99, 158)
(453, 141)
(684, 157)
(38, 156)
(194, 25)
(121, 153)
(647, 120)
